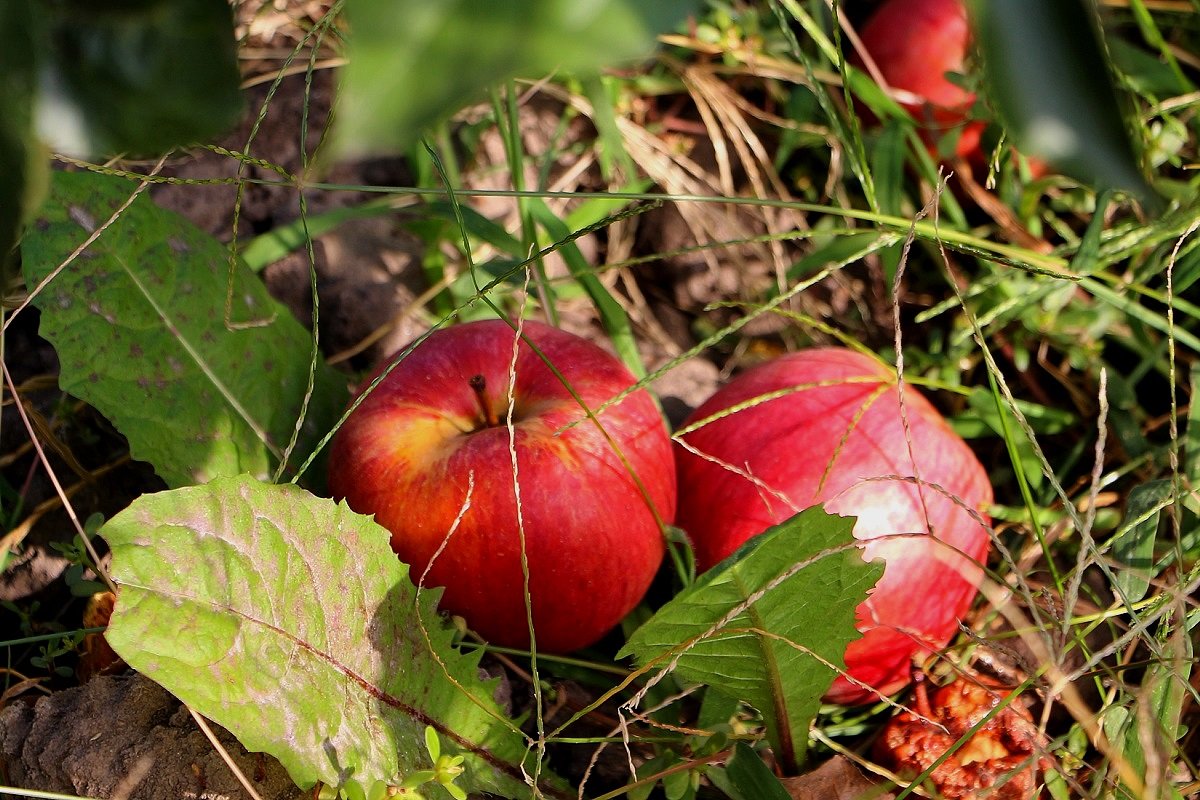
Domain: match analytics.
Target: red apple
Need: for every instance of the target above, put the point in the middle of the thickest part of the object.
(915, 43)
(839, 439)
(592, 534)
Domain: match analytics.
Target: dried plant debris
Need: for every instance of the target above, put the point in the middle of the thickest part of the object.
(837, 779)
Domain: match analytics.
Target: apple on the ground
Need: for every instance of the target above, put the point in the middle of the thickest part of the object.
(593, 498)
(835, 435)
(915, 43)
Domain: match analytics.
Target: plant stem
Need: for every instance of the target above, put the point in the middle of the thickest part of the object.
(487, 414)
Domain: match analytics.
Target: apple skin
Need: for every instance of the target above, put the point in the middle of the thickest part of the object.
(593, 543)
(915, 43)
(824, 444)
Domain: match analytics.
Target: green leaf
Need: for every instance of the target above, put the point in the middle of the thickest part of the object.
(887, 165)
(1001, 420)
(287, 619)
(138, 321)
(282, 240)
(610, 145)
(22, 167)
(612, 313)
(413, 63)
(756, 626)
(1133, 544)
(842, 249)
(749, 777)
(981, 418)
(1145, 72)
(141, 76)
(1050, 80)
(476, 225)
(1155, 717)
(1191, 436)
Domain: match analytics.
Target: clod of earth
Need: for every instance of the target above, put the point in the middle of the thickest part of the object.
(125, 736)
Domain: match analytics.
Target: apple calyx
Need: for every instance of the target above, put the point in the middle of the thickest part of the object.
(487, 415)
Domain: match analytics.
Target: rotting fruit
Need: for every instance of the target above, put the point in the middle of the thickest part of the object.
(429, 452)
(1001, 758)
(824, 426)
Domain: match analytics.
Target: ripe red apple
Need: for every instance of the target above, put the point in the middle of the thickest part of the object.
(835, 440)
(592, 535)
(915, 43)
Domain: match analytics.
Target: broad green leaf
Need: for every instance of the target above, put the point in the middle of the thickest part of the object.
(413, 63)
(1133, 545)
(138, 321)
(1050, 80)
(287, 619)
(141, 76)
(758, 625)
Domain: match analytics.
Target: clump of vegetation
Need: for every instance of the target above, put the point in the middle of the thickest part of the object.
(699, 187)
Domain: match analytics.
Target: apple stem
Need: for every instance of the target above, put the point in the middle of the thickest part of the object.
(486, 414)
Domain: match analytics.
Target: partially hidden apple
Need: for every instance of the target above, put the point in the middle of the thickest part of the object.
(592, 498)
(915, 43)
(833, 434)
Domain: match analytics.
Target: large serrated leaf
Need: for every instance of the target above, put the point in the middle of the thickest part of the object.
(287, 619)
(412, 63)
(138, 321)
(758, 625)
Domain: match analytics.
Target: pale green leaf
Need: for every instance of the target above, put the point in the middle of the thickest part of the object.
(287, 619)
